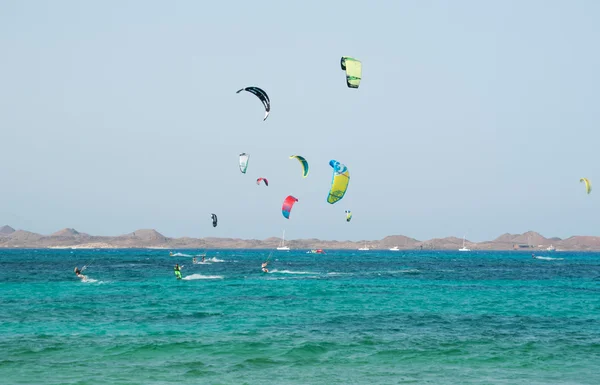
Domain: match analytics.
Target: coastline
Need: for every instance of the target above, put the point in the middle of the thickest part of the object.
(152, 239)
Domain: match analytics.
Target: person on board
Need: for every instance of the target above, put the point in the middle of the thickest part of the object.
(78, 273)
(203, 258)
(177, 270)
(263, 267)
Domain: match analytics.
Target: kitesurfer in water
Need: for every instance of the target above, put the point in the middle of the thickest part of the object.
(203, 258)
(177, 270)
(78, 273)
(264, 267)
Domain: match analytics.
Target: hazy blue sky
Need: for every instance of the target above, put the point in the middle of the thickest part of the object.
(473, 117)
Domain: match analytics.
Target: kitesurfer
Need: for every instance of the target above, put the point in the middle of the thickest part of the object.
(203, 258)
(78, 273)
(177, 271)
(264, 267)
(194, 260)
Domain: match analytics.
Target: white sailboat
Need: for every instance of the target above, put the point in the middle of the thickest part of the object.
(282, 245)
(363, 248)
(395, 248)
(464, 248)
(551, 248)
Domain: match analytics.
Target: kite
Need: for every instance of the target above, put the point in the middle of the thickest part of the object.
(244, 162)
(287, 206)
(304, 164)
(262, 95)
(353, 70)
(339, 182)
(588, 184)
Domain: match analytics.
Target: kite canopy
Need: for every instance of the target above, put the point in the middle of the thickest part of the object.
(353, 70)
(214, 219)
(348, 215)
(244, 162)
(339, 182)
(287, 206)
(262, 95)
(304, 164)
(263, 180)
(588, 184)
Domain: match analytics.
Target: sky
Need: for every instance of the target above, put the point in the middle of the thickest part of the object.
(472, 118)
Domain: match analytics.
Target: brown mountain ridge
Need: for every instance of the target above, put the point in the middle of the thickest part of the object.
(150, 238)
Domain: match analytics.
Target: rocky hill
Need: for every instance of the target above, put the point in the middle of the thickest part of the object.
(6, 230)
(66, 233)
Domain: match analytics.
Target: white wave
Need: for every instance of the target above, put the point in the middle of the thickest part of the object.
(405, 271)
(550, 258)
(180, 255)
(291, 272)
(214, 259)
(89, 280)
(200, 276)
(334, 273)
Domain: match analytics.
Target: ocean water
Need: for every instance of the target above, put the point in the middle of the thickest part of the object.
(346, 317)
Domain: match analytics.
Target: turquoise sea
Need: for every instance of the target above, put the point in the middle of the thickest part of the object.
(347, 317)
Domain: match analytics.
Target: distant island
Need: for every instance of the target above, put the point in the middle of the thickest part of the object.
(148, 238)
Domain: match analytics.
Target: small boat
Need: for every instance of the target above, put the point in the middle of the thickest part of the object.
(364, 248)
(395, 248)
(315, 251)
(464, 248)
(282, 246)
(551, 248)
